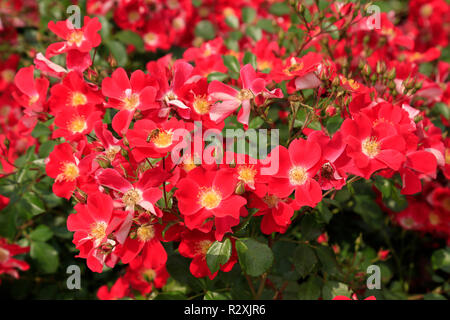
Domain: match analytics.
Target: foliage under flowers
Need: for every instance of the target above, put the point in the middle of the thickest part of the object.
(89, 118)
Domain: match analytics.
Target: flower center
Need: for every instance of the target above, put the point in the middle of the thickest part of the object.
(434, 219)
(78, 99)
(163, 139)
(203, 247)
(4, 255)
(77, 125)
(271, 200)
(210, 198)
(169, 96)
(327, 171)
(294, 67)
(247, 174)
(131, 197)
(426, 10)
(262, 65)
(131, 101)
(371, 147)
(201, 105)
(8, 75)
(298, 176)
(133, 16)
(408, 223)
(69, 172)
(33, 99)
(145, 233)
(447, 156)
(150, 38)
(149, 274)
(98, 230)
(245, 94)
(111, 152)
(189, 164)
(446, 203)
(76, 37)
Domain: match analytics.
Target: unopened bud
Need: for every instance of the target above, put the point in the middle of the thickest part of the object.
(240, 188)
(391, 74)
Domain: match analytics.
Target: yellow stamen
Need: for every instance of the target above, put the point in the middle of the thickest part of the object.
(371, 147)
(145, 233)
(201, 105)
(98, 230)
(298, 176)
(131, 197)
(69, 172)
(78, 99)
(209, 198)
(76, 37)
(77, 124)
(163, 139)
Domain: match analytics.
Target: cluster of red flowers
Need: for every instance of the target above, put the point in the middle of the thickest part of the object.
(132, 197)
(8, 264)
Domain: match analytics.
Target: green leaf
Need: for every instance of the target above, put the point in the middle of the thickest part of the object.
(211, 295)
(255, 123)
(254, 32)
(434, 296)
(442, 109)
(310, 289)
(328, 259)
(41, 233)
(36, 205)
(255, 258)
(40, 130)
(309, 227)
(205, 30)
(266, 25)
(280, 8)
(332, 289)
(171, 296)
(130, 37)
(248, 14)
(218, 254)
(232, 21)
(46, 148)
(440, 259)
(45, 255)
(249, 58)
(325, 213)
(118, 51)
(333, 124)
(304, 259)
(232, 63)
(219, 76)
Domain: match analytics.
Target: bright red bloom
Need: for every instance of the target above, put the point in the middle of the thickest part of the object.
(74, 93)
(128, 95)
(195, 245)
(119, 290)
(31, 93)
(8, 264)
(77, 44)
(145, 239)
(93, 224)
(144, 193)
(206, 194)
(63, 166)
(151, 140)
(372, 148)
(297, 168)
(75, 124)
(226, 99)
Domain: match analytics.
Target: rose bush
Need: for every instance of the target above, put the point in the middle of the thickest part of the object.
(115, 153)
